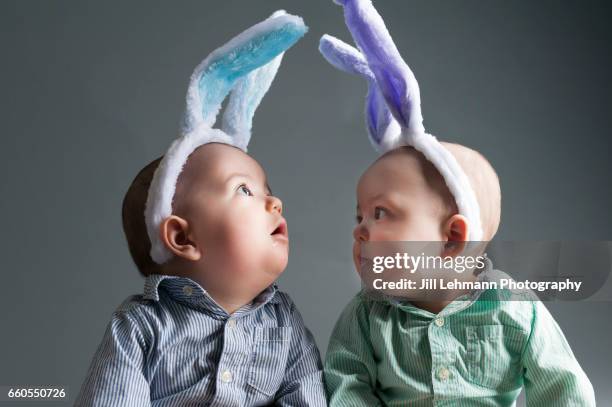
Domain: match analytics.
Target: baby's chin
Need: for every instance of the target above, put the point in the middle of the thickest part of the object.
(277, 256)
(276, 263)
(360, 266)
(279, 267)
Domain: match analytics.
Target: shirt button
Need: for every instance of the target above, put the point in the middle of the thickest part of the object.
(231, 323)
(443, 373)
(226, 376)
(439, 321)
(187, 290)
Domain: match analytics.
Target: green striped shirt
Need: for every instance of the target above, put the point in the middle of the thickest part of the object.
(478, 351)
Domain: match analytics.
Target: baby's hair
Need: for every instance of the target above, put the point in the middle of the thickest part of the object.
(132, 215)
(480, 173)
(485, 183)
(430, 176)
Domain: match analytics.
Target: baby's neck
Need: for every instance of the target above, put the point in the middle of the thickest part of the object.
(228, 298)
(435, 307)
(230, 305)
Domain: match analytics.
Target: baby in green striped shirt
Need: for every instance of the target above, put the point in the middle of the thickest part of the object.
(477, 351)
(473, 348)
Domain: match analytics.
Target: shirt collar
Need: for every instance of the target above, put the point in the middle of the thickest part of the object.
(187, 291)
(460, 303)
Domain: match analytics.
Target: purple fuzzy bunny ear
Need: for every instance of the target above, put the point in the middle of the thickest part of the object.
(382, 127)
(394, 78)
(344, 56)
(393, 107)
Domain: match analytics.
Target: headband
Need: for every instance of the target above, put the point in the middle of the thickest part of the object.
(393, 103)
(244, 68)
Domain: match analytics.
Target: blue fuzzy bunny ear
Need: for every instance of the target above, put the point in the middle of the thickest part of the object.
(382, 127)
(394, 78)
(248, 63)
(246, 95)
(244, 99)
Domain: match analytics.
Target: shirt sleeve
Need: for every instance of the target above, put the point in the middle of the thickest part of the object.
(303, 381)
(116, 375)
(350, 368)
(552, 374)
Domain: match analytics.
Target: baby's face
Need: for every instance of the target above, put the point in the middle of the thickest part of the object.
(395, 203)
(235, 220)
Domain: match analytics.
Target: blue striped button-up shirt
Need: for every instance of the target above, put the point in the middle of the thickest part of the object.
(175, 346)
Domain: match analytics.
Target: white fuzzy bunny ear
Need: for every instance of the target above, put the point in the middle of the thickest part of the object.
(394, 86)
(246, 66)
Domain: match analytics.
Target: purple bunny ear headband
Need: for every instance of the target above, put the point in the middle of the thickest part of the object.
(393, 104)
(245, 66)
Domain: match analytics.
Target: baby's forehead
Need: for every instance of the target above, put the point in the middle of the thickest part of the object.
(215, 163)
(401, 166)
(403, 173)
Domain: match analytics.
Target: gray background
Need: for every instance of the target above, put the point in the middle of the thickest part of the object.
(93, 91)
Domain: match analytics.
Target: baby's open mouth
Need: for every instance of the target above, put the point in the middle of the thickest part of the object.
(280, 230)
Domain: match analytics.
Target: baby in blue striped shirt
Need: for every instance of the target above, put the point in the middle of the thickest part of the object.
(211, 327)
(203, 227)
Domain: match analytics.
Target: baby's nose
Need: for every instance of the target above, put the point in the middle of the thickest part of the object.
(273, 204)
(361, 233)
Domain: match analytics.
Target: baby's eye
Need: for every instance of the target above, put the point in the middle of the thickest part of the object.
(379, 212)
(358, 219)
(244, 190)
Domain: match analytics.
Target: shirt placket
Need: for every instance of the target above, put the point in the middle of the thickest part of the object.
(233, 364)
(445, 377)
(443, 371)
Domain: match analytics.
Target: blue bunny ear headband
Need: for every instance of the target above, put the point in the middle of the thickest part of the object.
(244, 66)
(393, 103)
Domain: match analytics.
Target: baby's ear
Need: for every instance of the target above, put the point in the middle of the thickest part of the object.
(175, 234)
(456, 232)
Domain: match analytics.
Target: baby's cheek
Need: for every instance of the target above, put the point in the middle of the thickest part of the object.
(396, 231)
(430, 230)
(419, 229)
(228, 241)
(241, 241)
